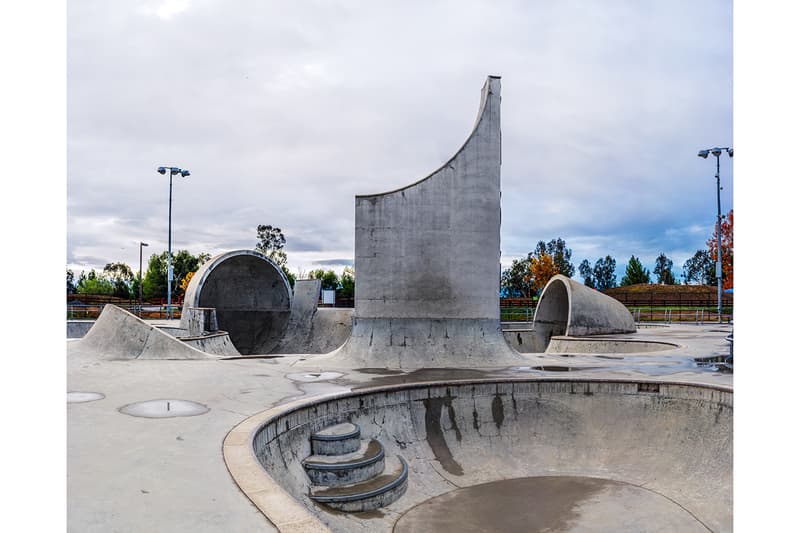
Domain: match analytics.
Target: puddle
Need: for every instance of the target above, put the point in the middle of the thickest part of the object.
(82, 397)
(164, 409)
(309, 377)
(313, 389)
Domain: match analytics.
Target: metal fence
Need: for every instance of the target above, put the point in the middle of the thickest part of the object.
(668, 315)
(81, 311)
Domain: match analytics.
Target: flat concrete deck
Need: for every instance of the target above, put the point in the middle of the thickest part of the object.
(129, 473)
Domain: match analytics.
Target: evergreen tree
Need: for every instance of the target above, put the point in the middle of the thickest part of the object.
(635, 273)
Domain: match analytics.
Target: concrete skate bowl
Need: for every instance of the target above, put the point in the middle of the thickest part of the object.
(511, 455)
(251, 295)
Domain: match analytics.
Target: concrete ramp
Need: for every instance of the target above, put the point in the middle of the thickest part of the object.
(312, 330)
(118, 334)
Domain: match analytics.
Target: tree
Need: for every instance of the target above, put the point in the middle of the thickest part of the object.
(329, 279)
(558, 251)
(271, 242)
(699, 269)
(726, 238)
(663, 270)
(121, 276)
(347, 282)
(70, 282)
(605, 276)
(586, 273)
(635, 273)
(542, 268)
(185, 282)
(93, 283)
(154, 281)
(154, 284)
(515, 281)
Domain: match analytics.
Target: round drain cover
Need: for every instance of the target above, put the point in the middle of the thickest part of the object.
(80, 397)
(164, 408)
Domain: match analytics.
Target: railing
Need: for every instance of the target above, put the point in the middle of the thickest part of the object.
(517, 314)
(147, 311)
(668, 315)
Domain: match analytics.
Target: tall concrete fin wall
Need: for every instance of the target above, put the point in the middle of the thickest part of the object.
(567, 307)
(427, 258)
(251, 295)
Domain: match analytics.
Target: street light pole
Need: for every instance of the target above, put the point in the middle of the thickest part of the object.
(716, 152)
(140, 276)
(172, 172)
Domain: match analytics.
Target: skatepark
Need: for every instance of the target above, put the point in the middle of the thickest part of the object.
(415, 411)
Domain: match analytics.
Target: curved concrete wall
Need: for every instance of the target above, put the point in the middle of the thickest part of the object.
(428, 261)
(312, 330)
(676, 439)
(567, 307)
(251, 295)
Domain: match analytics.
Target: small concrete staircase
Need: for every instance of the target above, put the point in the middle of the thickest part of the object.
(351, 475)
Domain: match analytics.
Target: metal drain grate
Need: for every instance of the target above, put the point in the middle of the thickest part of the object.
(164, 409)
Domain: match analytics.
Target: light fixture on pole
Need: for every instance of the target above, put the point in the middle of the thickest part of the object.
(140, 276)
(172, 172)
(716, 152)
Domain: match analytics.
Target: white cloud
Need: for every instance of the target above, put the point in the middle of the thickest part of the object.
(166, 9)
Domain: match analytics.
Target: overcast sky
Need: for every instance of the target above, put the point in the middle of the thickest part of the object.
(284, 111)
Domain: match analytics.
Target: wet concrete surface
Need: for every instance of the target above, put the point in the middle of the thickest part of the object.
(109, 455)
(435, 435)
(548, 504)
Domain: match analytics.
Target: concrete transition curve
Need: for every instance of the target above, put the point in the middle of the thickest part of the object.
(251, 295)
(567, 307)
(313, 330)
(585, 454)
(428, 263)
(118, 334)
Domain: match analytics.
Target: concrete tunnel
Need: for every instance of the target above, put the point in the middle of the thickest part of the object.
(567, 307)
(251, 295)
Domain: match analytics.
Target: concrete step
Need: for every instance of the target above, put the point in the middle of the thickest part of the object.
(336, 470)
(367, 495)
(338, 439)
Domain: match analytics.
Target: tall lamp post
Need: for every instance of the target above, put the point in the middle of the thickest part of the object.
(173, 171)
(140, 276)
(716, 152)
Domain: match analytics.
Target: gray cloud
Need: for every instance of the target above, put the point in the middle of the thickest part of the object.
(284, 111)
(334, 262)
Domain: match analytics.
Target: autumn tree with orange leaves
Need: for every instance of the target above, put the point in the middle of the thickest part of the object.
(543, 267)
(726, 241)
